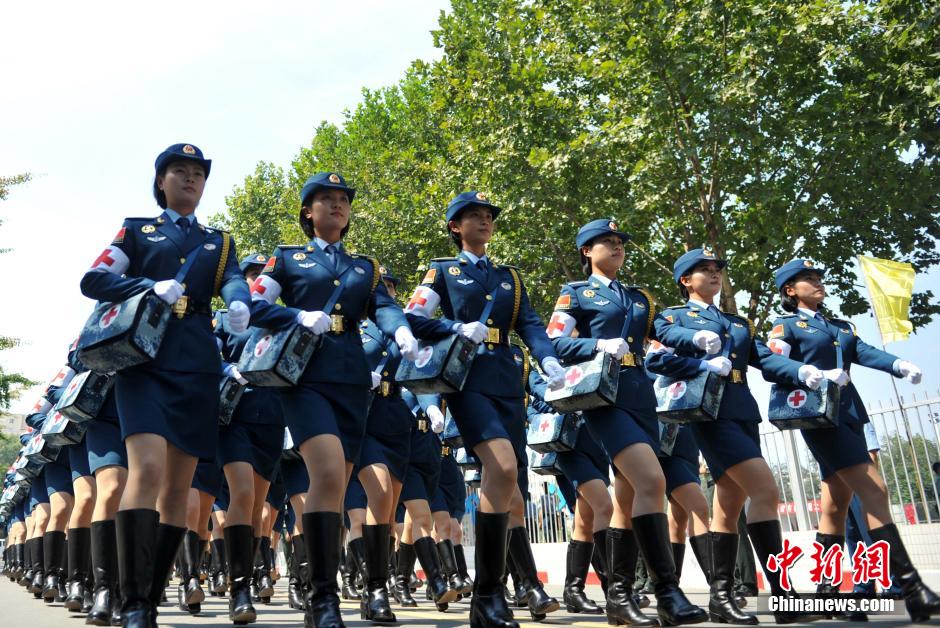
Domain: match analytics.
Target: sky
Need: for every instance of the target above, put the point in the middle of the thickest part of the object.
(91, 93)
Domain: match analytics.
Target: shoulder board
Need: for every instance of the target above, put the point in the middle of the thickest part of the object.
(371, 258)
(444, 259)
(734, 315)
(577, 284)
(651, 310)
(677, 307)
(786, 315)
(142, 219)
(288, 247)
(506, 266)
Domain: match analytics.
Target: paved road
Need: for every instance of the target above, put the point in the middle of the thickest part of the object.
(18, 609)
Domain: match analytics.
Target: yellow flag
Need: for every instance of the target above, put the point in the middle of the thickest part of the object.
(890, 285)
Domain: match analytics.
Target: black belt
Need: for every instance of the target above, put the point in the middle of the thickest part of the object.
(496, 336)
(185, 306)
(388, 389)
(631, 360)
(422, 425)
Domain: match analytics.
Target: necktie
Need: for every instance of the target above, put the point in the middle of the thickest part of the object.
(183, 224)
(482, 265)
(714, 310)
(331, 251)
(618, 290)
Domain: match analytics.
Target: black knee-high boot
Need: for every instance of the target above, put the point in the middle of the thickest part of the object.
(265, 583)
(518, 591)
(826, 589)
(298, 573)
(79, 548)
(349, 571)
(104, 566)
(678, 557)
(466, 586)
(702, 550)
(218, 569)
(672, 607)
(599, 558)
(577, 563)
(622, 555)
(438, 588)
(53, 550)
(488, 607)
(406, 565)
(722, 606)
(189, 593)
(539, 602)
(39, 564)
(767, 539)
(921, 602)
(322, 536)
(19, 553)
(239, 551)
(374, 604)
(445, 549)
(136, 532)
(169, 541)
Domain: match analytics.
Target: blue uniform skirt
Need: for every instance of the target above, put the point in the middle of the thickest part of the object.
(451, 493)
(586, 462)
(277, 492)
(208, 478)
(724, 443)
(312, 409)
(59, 476)
(424, 467)
(481, 417)
(568, 491)
(258, 444)
(355, 497)
(294, 474)
(19, 512)
(78, 460)
(181, 407)
(104, 443)
(615, 428)
(37, 490)
(837, 448)
(387, 440)
(222, 499)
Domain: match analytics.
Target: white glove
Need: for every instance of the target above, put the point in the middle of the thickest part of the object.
(474, 331)
(708, 341)
(317, 322)
(169, 290)
(616, 347)
(238, 316)
(838, 376)
(910, 371)
(232, 371)
(555, 372)
(437, 419)
(406, 343)
(720, 365)
(376, 379)
(811, 376)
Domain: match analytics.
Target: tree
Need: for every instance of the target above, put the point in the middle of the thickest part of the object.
(9, 448)
(10, 383)
(762, 129)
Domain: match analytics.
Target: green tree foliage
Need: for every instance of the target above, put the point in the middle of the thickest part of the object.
(761, 129)
(9, 447)
(10, 383)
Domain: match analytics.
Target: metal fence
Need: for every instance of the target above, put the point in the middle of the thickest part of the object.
(909, 442)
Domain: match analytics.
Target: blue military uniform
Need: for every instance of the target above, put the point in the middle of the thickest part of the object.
(175, 394)
(331, 395)
(255, 433)
(817, 340)
(734, 437)
(424, 464)
(103, 444)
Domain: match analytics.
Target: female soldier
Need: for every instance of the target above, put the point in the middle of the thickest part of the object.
(107, 461)
(832, 345)
(584, 470)
(168, 408)
(617, 320)
(731, 445)
(249, 449)
(484, 301)
(78, 597)
(61, 499)
(326, 412)
(205, 489)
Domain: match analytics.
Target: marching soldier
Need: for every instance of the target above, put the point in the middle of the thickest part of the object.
(168, 407)
(617, 320)
(484, 302)
(249, 450)
(832, 346)
(328, 291)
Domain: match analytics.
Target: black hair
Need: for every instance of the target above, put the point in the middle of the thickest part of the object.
(683, 291)
(306, 224)
(935, 466)
(158, 194)
(585, 264)
(454, 237)
(788, 302)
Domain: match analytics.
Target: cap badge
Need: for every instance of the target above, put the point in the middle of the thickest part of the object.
(334, 178)
(481, 196)
(189, 150)
(261, 258)
(382, 270)
(612, 226)
(707, 252)
(807, 263)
